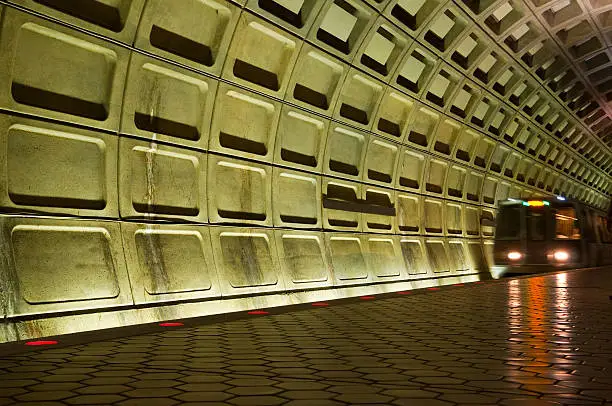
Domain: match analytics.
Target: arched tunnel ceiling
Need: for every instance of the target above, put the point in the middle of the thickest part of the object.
(573, 50)
(202, 149)
(534, 74)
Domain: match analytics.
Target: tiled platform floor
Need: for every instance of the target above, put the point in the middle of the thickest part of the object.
(531, 341)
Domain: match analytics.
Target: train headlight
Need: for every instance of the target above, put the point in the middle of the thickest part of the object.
(514, 255)
(561, 256)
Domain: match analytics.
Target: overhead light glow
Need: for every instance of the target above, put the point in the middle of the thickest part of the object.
(561, 198)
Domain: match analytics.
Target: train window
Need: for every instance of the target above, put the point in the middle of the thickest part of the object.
(536, 225)
(509, 224)
(566, 224)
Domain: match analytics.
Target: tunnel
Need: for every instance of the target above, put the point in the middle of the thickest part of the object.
(168, 159)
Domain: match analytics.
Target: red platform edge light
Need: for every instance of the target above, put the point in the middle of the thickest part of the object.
(171, 324)
(366, 297)
(261, 312)
(458, 284)
(320, 304)
(40, 342)
(433, 288)
(404, 292)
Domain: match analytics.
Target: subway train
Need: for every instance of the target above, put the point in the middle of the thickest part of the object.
(544, 234)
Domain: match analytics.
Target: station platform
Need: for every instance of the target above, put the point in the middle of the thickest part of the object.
(539, 340)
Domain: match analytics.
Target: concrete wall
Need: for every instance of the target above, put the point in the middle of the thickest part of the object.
(176, 158)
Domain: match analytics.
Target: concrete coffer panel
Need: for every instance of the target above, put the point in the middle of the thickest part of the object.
(167, 103)
(304, 259)
(57, 169)
(246, 260)
(60, 73)
(159, 181)
(197, 34)
(88, 272)
(170, 262)
(116, 19)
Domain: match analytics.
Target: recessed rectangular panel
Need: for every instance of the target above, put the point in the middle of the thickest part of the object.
(455, 182)
(381, 162)
(410, 170)
(347, 258)
(57, 88)
(436, 176)
(345, 152)
(196, 34)
(165, 102)
(297, 199)
(383, 257)
(57, 169)
(477, 256)
(472, 221)
(378, 206)
(446, 136)
(392, 115)
(454, 222)
(169, 262)
(382, 50)
(173, 261)
(60, 73)
(300, 139)
(408, 213)
(161, 181)
(438, 257)
(415, 70)
(57, 265)
(246, 259)
(261, 56)
(416, 261)
(296, 16)
(424, 123)
(244, 124)
(51, 267)
(41, 165)
(240, 192)
(342, 209)
(412, 14)
(473, 186)
(117, 19)
(303, 258)
(316, 79)
(341, 26)
(358, 100)
(458, 257)
(433, 216)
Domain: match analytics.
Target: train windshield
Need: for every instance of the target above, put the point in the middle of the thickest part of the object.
(536, 225)
(509, 224)
(566, 224)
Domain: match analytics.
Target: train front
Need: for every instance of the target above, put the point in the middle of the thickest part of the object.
(537, 236)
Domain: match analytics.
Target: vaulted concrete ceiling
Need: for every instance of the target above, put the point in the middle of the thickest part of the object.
(568, 43)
